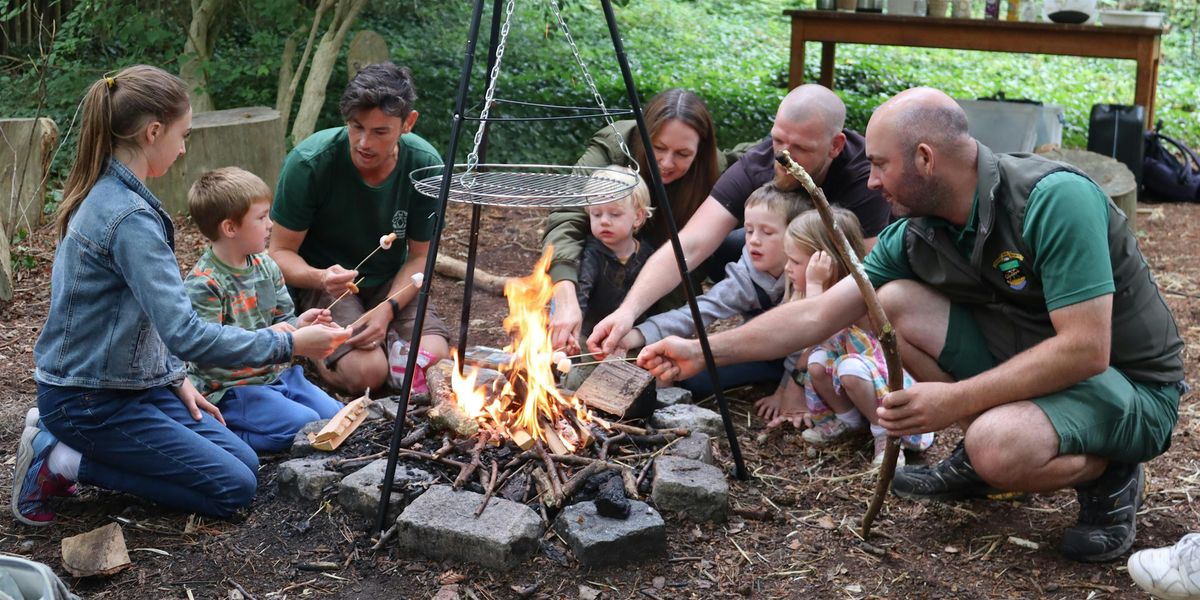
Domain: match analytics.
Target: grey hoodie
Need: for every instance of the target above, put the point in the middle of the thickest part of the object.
(731, 296)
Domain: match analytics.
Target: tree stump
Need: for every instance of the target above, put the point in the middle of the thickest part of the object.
(250, 138)
(1109, 173)
(366, 48)
(25, 153)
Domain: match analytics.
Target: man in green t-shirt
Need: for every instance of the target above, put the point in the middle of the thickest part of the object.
(340, 192)
(1029, 316)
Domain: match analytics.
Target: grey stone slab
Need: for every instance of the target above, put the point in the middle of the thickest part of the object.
(669, 396)
(691, 488)
(598, 540)
(306, 477)
(441, 524)
(690, 417)
(300, 444)
(697, 446)
(359, 491)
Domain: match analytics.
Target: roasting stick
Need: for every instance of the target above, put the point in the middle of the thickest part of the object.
(385, 243)
(886, 333)
(353, 287)
(417, 278)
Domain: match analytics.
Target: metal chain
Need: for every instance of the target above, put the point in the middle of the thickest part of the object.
(468, 177)
(587, 77)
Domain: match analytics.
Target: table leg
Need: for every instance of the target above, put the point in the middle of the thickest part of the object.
(796, 67)
(1147, 78)
(828, 51)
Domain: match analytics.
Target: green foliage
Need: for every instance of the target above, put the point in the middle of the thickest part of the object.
(21, 255)
(734, 53)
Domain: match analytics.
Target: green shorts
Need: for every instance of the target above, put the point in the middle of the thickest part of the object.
(1107, 415)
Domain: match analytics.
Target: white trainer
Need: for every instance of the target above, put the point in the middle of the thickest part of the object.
(1172, 572)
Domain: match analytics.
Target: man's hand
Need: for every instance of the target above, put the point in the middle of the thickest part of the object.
(335, 280)
(606, 336)
(566, 320)
(922, 408)
(672, 358)
(318, 341)
(195, 402)
(369, 332)
(314, 316)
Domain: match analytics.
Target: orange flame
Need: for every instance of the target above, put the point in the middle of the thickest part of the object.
(530, 400)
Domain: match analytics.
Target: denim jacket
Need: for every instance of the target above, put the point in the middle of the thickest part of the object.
(119, 316)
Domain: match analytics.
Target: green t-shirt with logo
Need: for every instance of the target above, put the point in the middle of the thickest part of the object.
(1065, 228)
(321, 191)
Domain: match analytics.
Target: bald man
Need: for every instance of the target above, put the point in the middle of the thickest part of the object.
(810, 125)
(1029, 315)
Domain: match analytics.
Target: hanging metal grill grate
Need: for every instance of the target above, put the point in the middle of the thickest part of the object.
(533, 186)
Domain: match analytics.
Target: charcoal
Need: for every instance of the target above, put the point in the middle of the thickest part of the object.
(611, 501)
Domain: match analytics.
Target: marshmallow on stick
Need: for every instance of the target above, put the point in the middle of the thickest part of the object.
(385, 243)
(417, 278)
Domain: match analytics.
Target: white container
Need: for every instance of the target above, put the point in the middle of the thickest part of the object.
(911, 8)
(1131, 18)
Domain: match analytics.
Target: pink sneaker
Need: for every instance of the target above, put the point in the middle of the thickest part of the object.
(33, 483)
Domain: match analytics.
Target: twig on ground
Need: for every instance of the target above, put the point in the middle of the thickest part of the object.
(491, 489)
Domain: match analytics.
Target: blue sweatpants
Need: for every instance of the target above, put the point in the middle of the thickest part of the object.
(267, 417)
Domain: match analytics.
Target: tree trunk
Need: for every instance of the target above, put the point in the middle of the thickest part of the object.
(323, 61)
(196, 52)
(289, 79)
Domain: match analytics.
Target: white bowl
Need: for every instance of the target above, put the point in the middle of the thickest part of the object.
(1131, 18)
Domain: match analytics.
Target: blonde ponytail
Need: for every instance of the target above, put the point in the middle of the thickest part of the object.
(115, 110)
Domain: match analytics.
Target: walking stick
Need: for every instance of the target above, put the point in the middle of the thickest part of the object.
(884, 330)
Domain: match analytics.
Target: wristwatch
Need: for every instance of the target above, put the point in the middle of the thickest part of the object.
(799, 375)
(395, 308)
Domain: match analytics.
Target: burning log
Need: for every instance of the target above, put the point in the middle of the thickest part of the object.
(614, 387)
(886, 333)
(446, 413)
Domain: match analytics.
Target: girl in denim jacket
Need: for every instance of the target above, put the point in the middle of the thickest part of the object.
(109, 367)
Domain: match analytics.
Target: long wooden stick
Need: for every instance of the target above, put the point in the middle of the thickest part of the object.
(883, 328)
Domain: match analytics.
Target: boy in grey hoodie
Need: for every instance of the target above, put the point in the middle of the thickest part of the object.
(752, 285)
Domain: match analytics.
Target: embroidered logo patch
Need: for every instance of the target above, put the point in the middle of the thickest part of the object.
(1009, 265)
(400, 223)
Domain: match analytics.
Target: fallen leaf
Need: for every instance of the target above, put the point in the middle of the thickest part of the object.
(588, 593)
(659, 582)
(448, 592)
(950, 550)
(826, 522)
(450, 577)
(854, 588)
(794, 545)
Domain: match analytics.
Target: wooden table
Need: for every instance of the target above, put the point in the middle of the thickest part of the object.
(831, 27)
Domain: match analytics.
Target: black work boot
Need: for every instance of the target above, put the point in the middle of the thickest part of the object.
(951, 479)
(1108, 509)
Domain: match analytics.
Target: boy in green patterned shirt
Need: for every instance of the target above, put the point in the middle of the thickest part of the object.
(236, 283)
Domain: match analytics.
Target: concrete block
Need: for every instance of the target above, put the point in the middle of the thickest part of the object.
(691, 488)
(306, 477)
(359, 491)
(441, 524)
(690, 417)
(596, 540)
(697, 446)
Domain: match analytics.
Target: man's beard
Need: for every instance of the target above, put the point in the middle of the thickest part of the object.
(919, 196)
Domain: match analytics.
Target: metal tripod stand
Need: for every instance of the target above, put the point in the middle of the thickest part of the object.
(472, 186)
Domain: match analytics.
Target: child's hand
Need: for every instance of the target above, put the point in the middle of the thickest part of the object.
(195, 402)
(633, 339)
(283, 327)
(820, 269)
(318, 341)
(313, 316)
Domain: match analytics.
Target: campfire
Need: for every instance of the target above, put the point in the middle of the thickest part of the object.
(525, 404)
